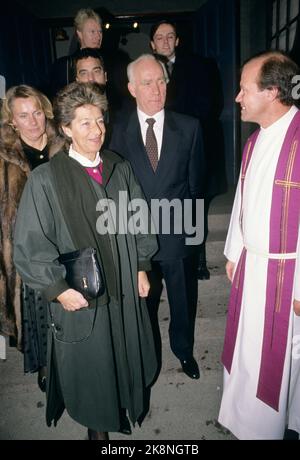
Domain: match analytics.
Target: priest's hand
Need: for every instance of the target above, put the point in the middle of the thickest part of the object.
(72, 300)
(230, 270)
(143, 284)
(297, 307)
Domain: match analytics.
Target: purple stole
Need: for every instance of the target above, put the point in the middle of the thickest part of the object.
(284, 227)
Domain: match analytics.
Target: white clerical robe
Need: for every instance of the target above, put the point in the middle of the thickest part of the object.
(241, 412)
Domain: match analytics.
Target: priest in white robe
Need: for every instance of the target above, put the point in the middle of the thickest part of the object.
(261, 356)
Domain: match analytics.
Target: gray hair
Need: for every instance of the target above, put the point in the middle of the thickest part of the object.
(144, 57)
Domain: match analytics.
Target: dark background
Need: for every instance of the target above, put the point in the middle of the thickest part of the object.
(229, 31)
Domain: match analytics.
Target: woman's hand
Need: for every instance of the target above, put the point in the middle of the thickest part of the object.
(72, 300)
(143, 284)
(297, 307)
(230, 270)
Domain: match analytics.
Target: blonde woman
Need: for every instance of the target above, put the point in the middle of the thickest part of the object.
(25, 132)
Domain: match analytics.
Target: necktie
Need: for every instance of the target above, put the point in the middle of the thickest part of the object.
(151, 144)
(170, 68)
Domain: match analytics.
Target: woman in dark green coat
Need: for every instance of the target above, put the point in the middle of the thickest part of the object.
(101, 354)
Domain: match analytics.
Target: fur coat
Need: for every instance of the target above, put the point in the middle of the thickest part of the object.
(14, 170)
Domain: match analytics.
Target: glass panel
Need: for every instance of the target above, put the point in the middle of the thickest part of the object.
(293, 29)
(282, 41)
(283, 13)
(294, 8)
(273, 44)
(274, 25)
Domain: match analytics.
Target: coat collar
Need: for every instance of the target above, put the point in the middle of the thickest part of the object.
(110, 160)
(17, 158)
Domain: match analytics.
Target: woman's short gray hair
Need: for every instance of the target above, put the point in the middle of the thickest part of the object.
(71, 98)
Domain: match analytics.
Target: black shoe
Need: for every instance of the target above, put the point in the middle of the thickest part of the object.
(190, 368)
(203, 273)
(291, 435)
(125, 427)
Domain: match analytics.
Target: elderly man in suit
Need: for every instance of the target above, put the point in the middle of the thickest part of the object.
(195, 89)
(165, 152)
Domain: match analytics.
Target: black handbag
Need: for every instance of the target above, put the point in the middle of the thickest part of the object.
(83, 272)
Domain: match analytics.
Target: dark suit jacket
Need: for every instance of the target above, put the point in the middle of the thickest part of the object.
(62, 73)
(195, 89)
(180, 171)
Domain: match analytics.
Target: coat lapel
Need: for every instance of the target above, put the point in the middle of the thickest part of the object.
(168, 154)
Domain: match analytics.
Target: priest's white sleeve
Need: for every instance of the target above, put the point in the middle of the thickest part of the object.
(234, 241)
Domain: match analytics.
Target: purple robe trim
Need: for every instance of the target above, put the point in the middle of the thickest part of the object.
(235, 300)
(234, 310)
(284, 225)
